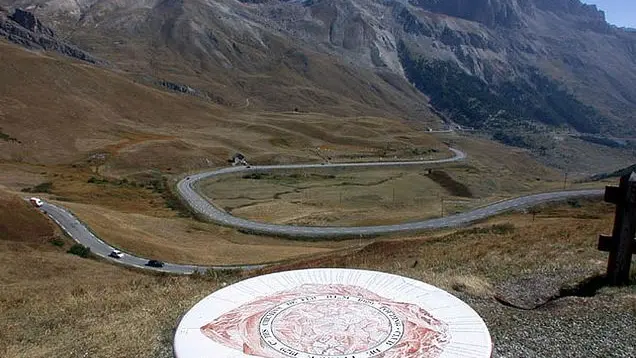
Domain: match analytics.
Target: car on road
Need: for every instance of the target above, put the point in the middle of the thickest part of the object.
(154, 263)
(37, 202)
(116, 254)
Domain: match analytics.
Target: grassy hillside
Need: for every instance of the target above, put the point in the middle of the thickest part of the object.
(62, 112)
(22, 224)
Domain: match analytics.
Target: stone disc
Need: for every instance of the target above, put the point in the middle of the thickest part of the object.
(331, 313)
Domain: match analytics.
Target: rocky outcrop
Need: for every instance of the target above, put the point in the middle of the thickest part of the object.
(185, 89)
(24, 28)
(573, 7)
(492, 64)
(512, 13)
(506, 13)
(178, 87)
(31, 23)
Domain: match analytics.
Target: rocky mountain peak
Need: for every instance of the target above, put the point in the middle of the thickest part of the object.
(24, 28)
(510, 13)
(572, 7)
(30, 22)
(507, 13)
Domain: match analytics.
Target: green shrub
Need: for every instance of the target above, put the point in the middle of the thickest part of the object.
(501, 229)
(6, 137)
(93, 180)
(43, 188)
(157, 186)
(173, 202)
(498, 229)
(224, 275)
(255, 176)
(80, 250)
(57, 242)
(40, 188)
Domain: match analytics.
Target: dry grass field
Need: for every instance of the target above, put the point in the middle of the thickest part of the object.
(375, 196)
(19, 223)
(53, 304)
(561, 235)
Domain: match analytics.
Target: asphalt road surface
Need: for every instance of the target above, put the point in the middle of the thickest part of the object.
(187, 189)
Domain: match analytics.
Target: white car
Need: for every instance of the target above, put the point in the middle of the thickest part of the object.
(116, 254)
(36, 202)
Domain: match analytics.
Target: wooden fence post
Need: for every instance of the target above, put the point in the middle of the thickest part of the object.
(621, 245)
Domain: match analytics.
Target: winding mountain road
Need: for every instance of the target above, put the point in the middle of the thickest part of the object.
(201, 206)
(80, 233)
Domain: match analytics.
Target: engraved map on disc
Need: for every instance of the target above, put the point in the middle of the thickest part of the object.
(331, 319)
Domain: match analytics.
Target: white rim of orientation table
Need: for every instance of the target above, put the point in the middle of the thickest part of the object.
(331, 313)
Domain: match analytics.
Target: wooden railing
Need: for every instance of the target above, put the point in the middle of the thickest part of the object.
(621, 245)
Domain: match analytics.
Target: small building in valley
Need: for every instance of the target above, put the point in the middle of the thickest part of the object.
(238, 159)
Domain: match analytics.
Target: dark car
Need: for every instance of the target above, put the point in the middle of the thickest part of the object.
(154, 263)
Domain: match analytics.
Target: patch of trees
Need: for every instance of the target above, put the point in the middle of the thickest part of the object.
(7, 138)
(470, 101)
(40, 188)
(80, 250)
(608, 142)
(617, 174)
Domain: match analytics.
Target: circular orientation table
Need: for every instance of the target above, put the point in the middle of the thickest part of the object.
(331, 313)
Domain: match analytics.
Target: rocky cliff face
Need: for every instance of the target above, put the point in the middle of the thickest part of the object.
(24, 28)
(492, 13)
(28, 21)
(499, 65)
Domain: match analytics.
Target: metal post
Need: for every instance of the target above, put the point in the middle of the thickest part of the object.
(394, 196)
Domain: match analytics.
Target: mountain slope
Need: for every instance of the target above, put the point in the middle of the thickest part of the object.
(500, 65)
(55, 111)
(227, 51)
